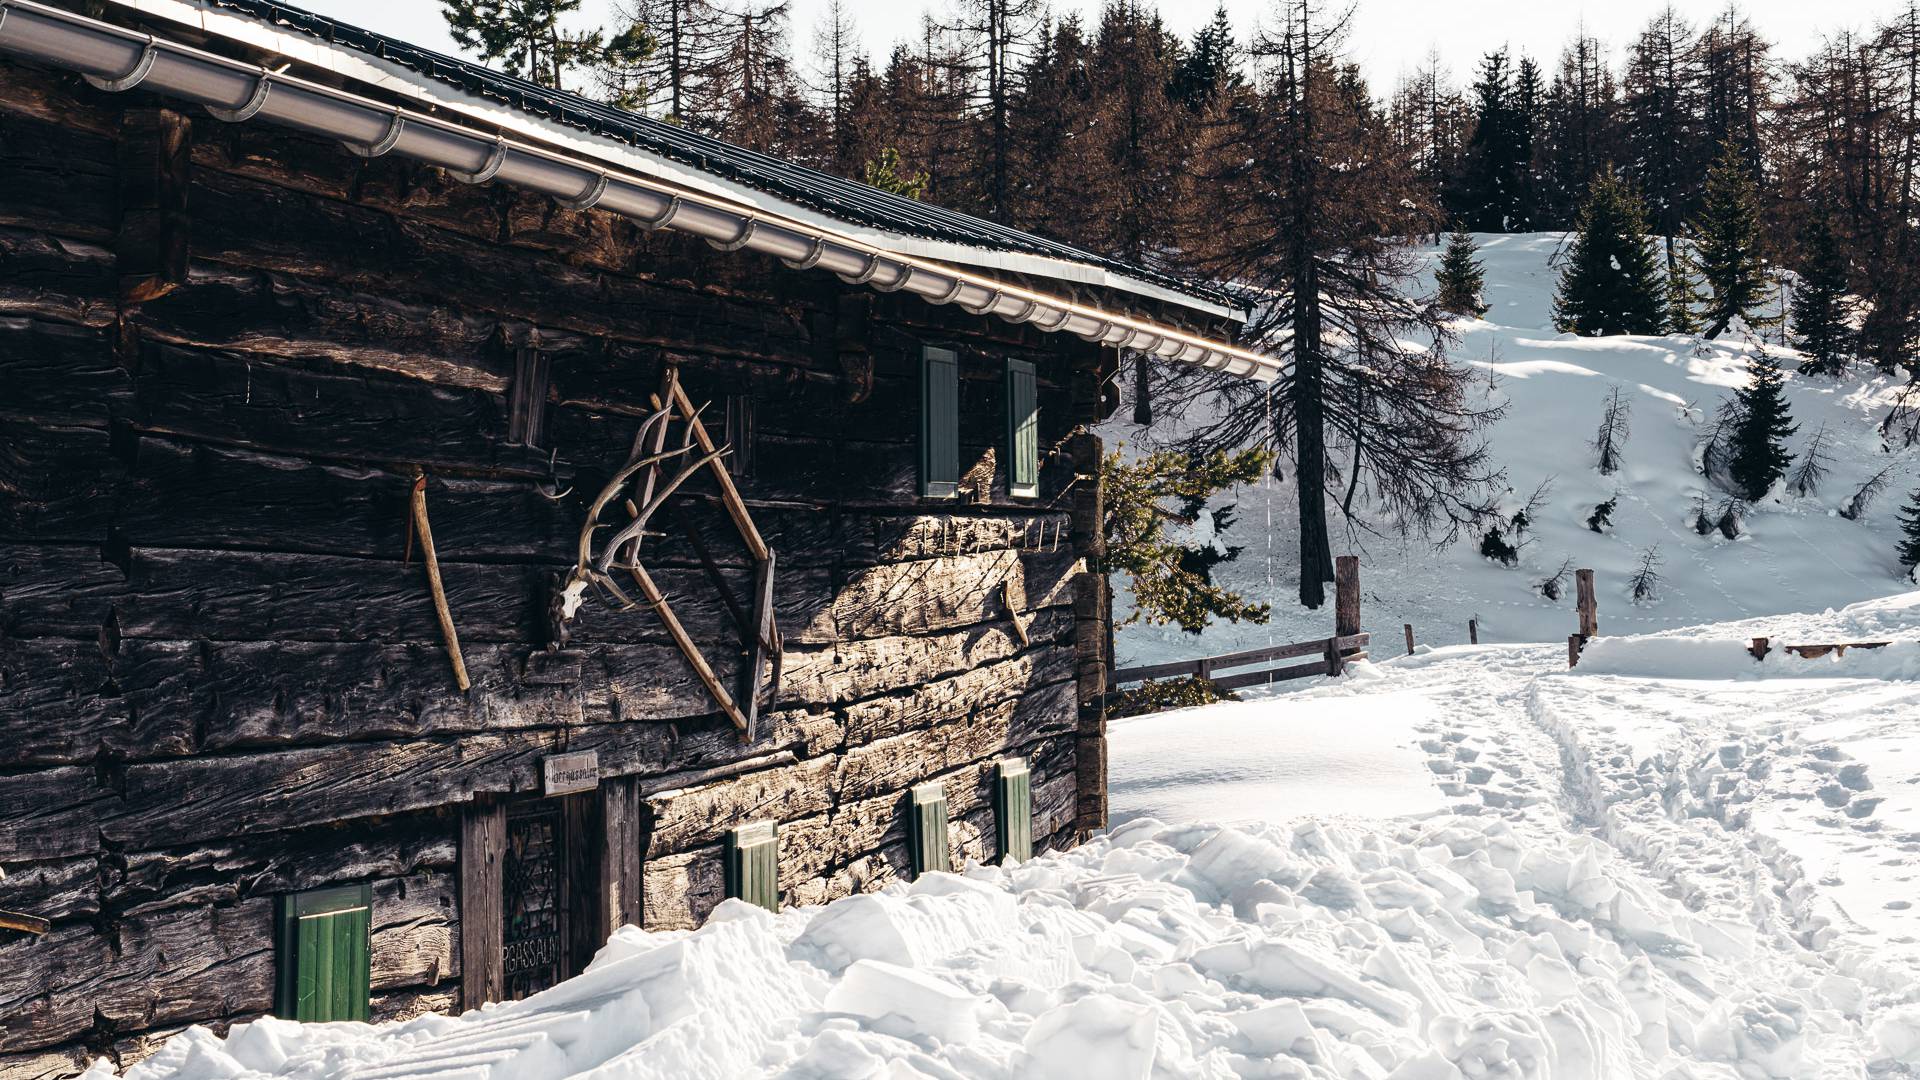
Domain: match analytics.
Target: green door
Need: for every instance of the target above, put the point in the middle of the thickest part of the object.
(326, 953)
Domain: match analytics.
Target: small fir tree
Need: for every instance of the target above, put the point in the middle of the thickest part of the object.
(1759, 441)
(1910, 533)
(1820, 328)
(1172, 581)
(1611, 439)
(888, 173)
(1728, 233)
(1864, 495)
(1460, 279)
(1602, 517)
(1612, 284)
(1683, 295)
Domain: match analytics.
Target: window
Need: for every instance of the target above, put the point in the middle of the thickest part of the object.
(325, 954)
(928, 836)
(753, 864)
(1023, 431)
(1013, 810)
(939, 423)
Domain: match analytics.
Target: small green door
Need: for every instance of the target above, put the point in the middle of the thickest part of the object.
(753, 864)
(326, 948)
(1013, 810)
(939, 423)
(929, 831)
(1023, 431)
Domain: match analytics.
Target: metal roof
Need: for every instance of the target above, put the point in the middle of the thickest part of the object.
(830, 195)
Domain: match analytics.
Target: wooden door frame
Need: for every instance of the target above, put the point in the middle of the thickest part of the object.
(603, 826)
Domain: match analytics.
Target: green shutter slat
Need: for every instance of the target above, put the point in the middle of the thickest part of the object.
(311, 965)
(325, 956)
(939, 423)
(1013, 810)
(753, 864)
(1023, 430)
(929, 833)
(360, 975)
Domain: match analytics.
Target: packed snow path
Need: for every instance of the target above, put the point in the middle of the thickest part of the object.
(1776, 803)
(1671, 863)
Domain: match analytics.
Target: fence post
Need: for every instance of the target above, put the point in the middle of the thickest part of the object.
(1573, 650)
(1409, 627)
(1346, 596)
(1473, 631)
(1334, 666)
(1758, 648)
(1589, 608)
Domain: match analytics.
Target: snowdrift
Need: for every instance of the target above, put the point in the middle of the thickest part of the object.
(1453, 947)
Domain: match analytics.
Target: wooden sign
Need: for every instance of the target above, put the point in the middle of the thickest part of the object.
(571, 772)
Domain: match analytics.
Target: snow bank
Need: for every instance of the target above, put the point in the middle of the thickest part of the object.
(1454, 947)
(1309, 757)
(1729, 658)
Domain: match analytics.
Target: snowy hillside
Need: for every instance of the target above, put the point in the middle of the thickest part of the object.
(1673, 862)
(1798, 554)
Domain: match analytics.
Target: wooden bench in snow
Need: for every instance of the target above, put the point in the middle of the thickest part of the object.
(1759, 648)
(1331, 657)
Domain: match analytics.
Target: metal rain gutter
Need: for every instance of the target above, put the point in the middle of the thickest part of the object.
(115, 59)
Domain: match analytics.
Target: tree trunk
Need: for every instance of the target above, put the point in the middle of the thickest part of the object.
(1310, 442)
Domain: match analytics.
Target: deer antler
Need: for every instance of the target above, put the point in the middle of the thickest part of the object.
(622, 549)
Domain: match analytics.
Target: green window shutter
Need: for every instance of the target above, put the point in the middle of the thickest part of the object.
(1013, 810)
(753, 864)
(326, 952)
(939, 423)
(1023, 431)
(929, 833)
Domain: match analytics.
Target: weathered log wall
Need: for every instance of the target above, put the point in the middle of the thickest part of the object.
(221, 678)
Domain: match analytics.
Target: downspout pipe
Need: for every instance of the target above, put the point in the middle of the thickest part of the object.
(117, 59)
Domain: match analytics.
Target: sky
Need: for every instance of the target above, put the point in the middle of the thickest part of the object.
(1389, 36)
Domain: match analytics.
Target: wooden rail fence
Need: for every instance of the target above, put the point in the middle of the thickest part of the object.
(1330, 655)
(1330, 658)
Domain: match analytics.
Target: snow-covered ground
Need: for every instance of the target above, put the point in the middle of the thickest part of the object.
(1798, 554)
(1671, 862)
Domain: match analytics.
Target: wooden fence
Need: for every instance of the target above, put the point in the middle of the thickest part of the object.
(1330, 655)
(1330, 658)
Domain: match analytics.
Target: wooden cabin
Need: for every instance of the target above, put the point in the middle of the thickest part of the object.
(444, 519)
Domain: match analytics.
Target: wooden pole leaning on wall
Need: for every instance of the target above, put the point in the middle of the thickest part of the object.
(1409, 629)
(1473, 631)
(447, 633)
(26, 924)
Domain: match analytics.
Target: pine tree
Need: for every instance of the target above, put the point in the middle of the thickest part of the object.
(1211, 66)
(1729, 242)
(1612, 284)
(1494, 193)
(526, 34)
(1460, 280)
(1910, 532)
(1172, 580)
(1683, 295)
(1820, 327)
(888, 174)
(1759, 439)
